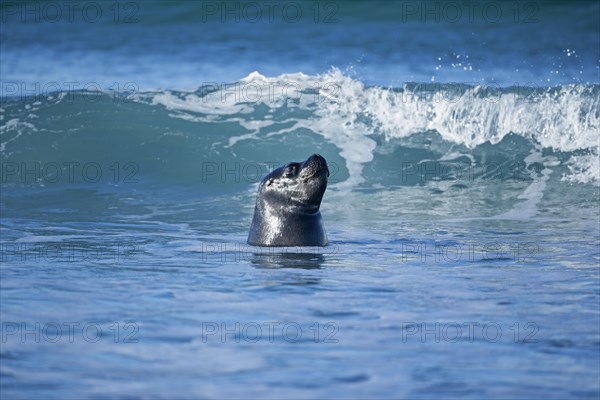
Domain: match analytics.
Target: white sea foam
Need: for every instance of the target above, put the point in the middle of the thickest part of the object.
(12, 130)
(350, 115)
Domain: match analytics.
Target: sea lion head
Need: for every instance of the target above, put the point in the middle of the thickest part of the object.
(297, 185)
(287, 205)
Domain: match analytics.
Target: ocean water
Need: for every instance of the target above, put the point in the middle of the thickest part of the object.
(462, 208)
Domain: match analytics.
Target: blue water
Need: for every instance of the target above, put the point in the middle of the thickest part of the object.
(462, 208)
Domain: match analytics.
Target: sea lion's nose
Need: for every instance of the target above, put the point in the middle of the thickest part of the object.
(317, 162)
(318, 159)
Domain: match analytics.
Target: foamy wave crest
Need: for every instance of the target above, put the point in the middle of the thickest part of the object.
(351, 115)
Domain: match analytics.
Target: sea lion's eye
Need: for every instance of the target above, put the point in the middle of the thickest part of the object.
(291, 170)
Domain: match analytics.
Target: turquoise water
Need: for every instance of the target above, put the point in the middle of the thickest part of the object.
(462, 209)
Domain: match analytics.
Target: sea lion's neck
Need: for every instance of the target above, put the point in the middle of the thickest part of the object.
(287, 226)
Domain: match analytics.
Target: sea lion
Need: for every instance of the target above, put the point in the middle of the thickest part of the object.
(287, 205)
